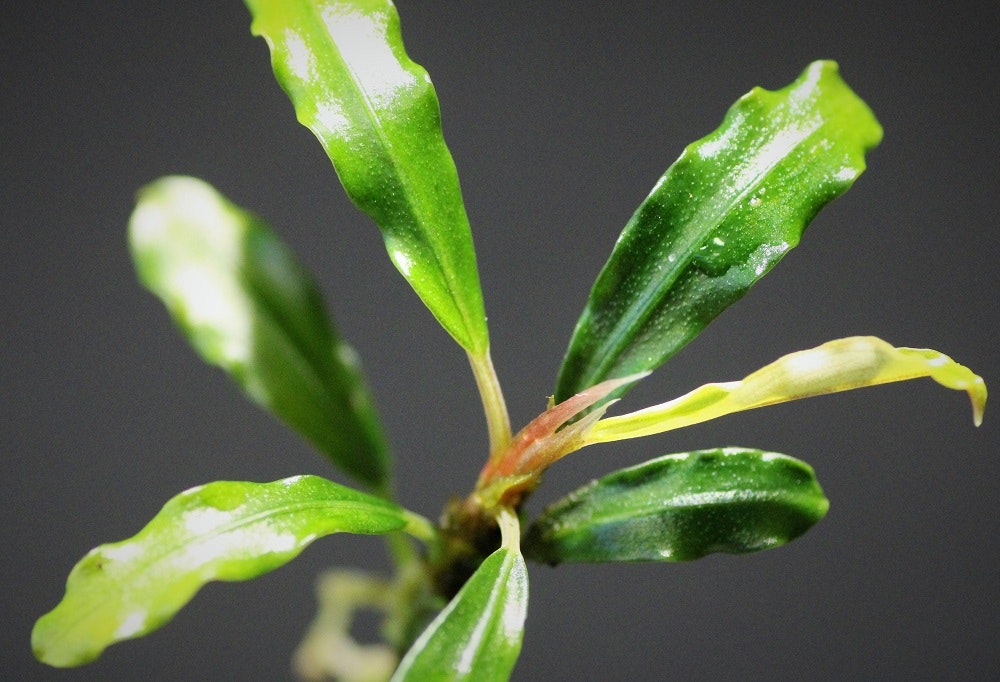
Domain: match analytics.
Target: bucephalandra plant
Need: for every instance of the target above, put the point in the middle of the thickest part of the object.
(718, 220)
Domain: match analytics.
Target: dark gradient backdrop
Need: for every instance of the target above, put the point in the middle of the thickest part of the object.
(561, 116)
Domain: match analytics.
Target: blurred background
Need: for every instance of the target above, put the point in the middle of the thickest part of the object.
(561, 116)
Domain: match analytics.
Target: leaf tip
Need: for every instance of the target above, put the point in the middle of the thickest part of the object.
(977, 394)
(50, 647)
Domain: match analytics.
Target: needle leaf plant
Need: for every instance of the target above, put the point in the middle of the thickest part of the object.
(722, 215)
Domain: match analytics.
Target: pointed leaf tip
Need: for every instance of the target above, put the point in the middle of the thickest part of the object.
(719, 219)
(952, 375)
(839, 365)
(376, 114)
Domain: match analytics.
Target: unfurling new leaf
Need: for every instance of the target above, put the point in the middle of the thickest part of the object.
(248, 306)
(376, 114)
(682, 507)
(220, 531)
(515, 470)
(719, 219)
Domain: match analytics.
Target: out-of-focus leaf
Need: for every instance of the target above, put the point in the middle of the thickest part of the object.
(343, 65)
(838, 365)
(248, 306)
(477, 637)
(681, 507)
(219, 531)
(719, 219)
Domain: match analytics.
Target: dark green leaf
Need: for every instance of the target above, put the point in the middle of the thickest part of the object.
(719, 219)
(376, 114)
(682, 507)
(248, 306)
(220, 531)
(477, 637)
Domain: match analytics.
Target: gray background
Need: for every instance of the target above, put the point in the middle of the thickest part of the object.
(561, 116)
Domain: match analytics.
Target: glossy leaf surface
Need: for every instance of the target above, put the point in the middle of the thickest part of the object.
(477, 637)
(719, 219)
(839, 365)
(248, 306)
(682, 507)
(220, 531)
(343, 65)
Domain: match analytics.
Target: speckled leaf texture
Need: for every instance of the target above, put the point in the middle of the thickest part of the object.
(343, 65)
(719, 219)
(681, 507)
(220, 531)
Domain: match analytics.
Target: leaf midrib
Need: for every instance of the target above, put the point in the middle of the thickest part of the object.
(215, 532)
(414, 204)
(657, 290)
(796, 499)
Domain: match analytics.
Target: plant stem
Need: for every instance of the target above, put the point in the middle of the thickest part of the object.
(497, 419)
(401, 550)
(510, 528)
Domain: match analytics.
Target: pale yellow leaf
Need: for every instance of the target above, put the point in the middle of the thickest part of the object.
(838, 365)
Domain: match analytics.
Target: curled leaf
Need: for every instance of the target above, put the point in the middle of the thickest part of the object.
(220, 531)
(717, 221)
(682, 507)
(839, 365)
(248, 306)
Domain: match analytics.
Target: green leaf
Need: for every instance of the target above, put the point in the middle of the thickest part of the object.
(376, 114)
(682, 507)
(719, 219)
(839, 365)
(220, 531)
(248, 306)
(478, 635)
